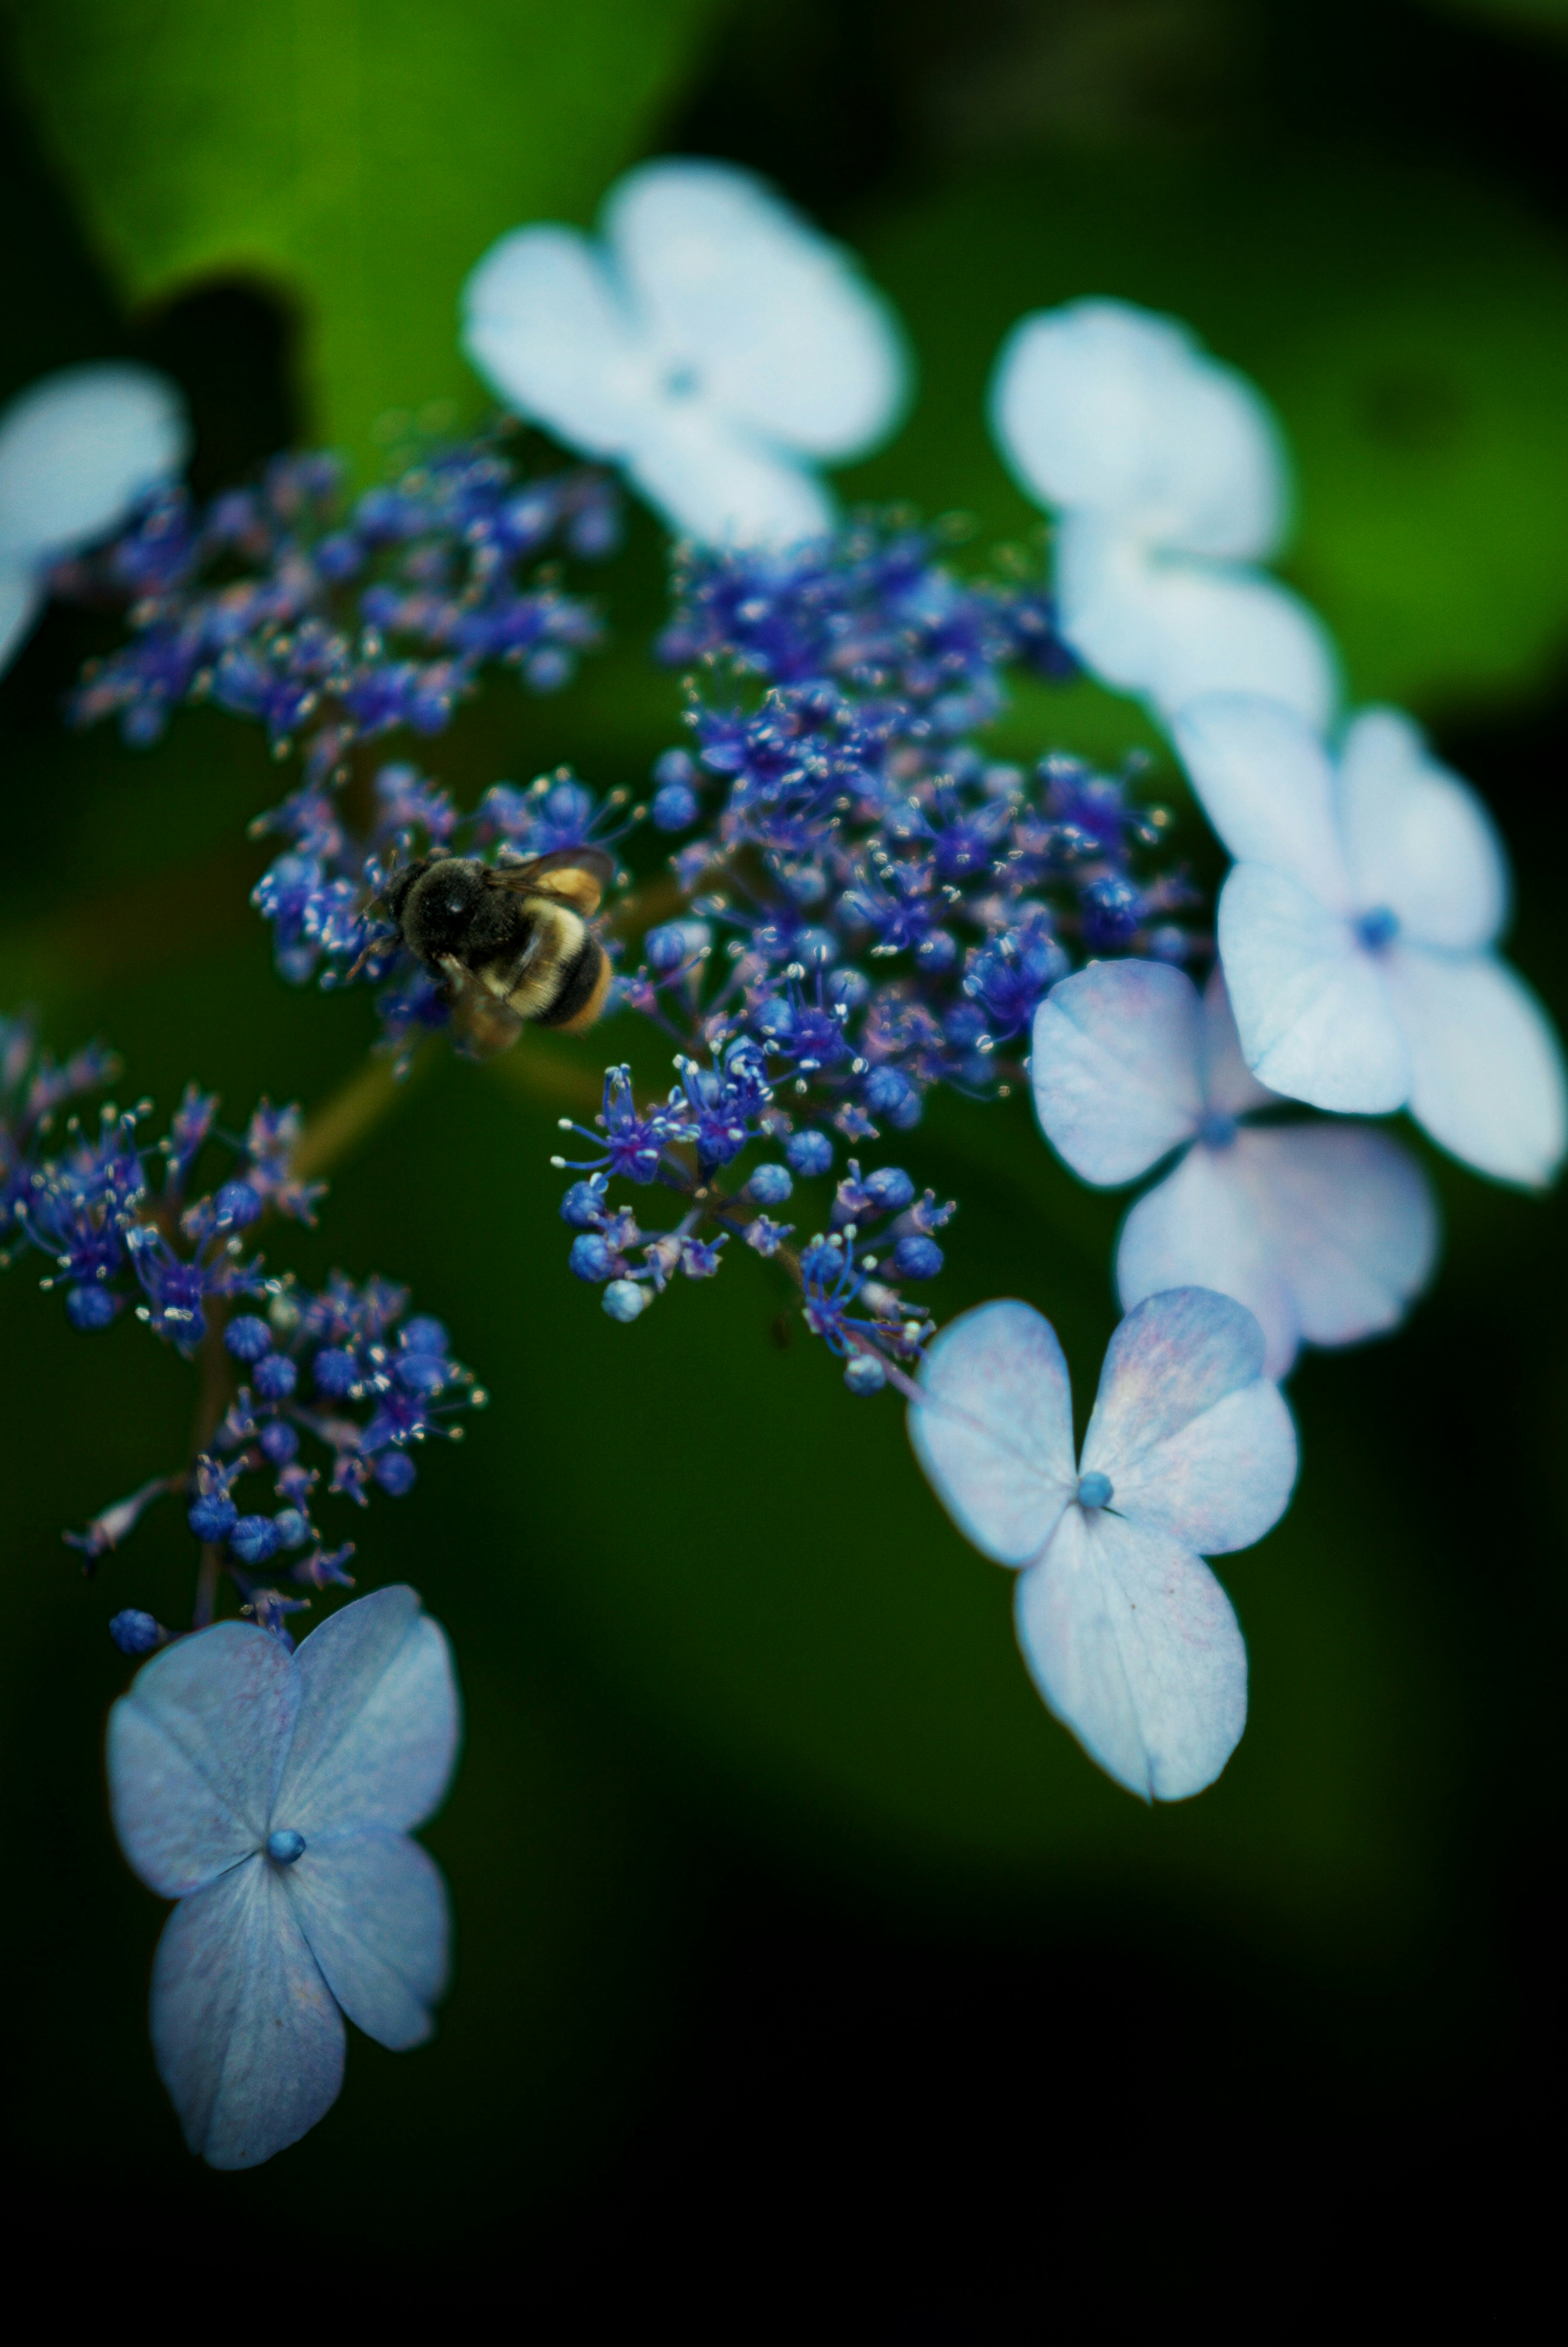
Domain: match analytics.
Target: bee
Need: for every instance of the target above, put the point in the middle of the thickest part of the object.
(512, 942)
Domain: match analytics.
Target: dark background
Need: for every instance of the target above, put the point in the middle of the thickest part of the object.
(806, 1969)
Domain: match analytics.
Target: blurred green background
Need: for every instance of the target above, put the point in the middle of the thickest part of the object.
(789, 1924)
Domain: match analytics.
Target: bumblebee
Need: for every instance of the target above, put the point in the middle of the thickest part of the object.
(512, 942)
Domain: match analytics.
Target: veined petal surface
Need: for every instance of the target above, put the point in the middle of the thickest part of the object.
(247, 2038)
(774, 321)
(1418, 840)
(373, 1911)
(994, 1433)
(1191, 1434)
(711, 482)
(1114, 1067)
(1268, 787)
(1199, 1228)
(1312, 1008)
(377, 1731)
(196, 1747)
(1133, 1644)
(79, 448)
(548, 329)
(1487, 1077)
(1173, 627)
(1103, 407)
(1230, 1088)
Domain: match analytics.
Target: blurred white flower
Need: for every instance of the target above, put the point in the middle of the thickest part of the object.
(78, 449)
(1325, 1232)
(1167, 476)
(714, 343)
(1356, 933)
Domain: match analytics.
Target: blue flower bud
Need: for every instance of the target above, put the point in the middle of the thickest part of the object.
(248, 1337)
(591, 1256)
(135, 1633)
(918, 1258)
(292, 1529)
(425, 1334)
(848, 987)
(421, 1373)
(336, 1371)
(809, 1155)
(770, 1185)
(212, 1518)
(886, 1090)
(92, 1307)
(276, 1378)
(666, 947)
(280, 1441)
(674, 806)
(395, 1473)
(889, 1189)
(237, 1204)
(285, 1845)
(865, 1374)
(254, 1539)
(624, 1299)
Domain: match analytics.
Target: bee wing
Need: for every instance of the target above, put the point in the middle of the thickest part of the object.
(578, 875)
(482, 1024)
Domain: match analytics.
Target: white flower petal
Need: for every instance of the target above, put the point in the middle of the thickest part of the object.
(1268, 786)
(20, 597)
(712, 483)
(1230, 1088)
(373, 1908)
(377, 1732)
(774, 321)
(1105, 407)
(1132, 1643)
(1325, 1232)
(1113, 1063)
(1192, 1436)
(195, 1750)
(1171, 629)
(1312, 1008)
(78, 449)
(995, 1431)
(546, 327)
(1488, 1077)
(248, 2039)
(1417, 839)
(1197, 1228)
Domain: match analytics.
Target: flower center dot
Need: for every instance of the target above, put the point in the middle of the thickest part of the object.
(683, 383)
(285, 1845)
(1095, 1490)
(1215, 1130)
(1378, 929)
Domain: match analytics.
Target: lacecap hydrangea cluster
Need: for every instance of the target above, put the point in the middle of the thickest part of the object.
(342, 1374)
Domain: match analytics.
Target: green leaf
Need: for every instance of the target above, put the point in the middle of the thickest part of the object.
(1409, 326)
(362, 155)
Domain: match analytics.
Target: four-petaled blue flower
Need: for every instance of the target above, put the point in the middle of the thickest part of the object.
(272, 1795)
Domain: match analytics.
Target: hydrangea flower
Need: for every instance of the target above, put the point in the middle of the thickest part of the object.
(1357, 931)
(78, 450)
(1190, 1450)
(714, 344)
(273, 1795)
(1169, 483)
(1325, 1232)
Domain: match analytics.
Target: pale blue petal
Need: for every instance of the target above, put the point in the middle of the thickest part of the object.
(79, 448)
(1268, 789)
(1313, 1010)
(548, 329)
(195, 1750)
(1191, 1434)
(1488, 1080)
(1418, 840)
(1113, 1063)
(19, 599)
(773, 322)
(1102, 406)
(1174, 628)
(714, 484)
(1198, 1228)
(1132, 1643)
(994, 1433)
(248, 2039)
(1325, 1232)
(377, 1731)
(1230, 1088)
(373, 1908)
